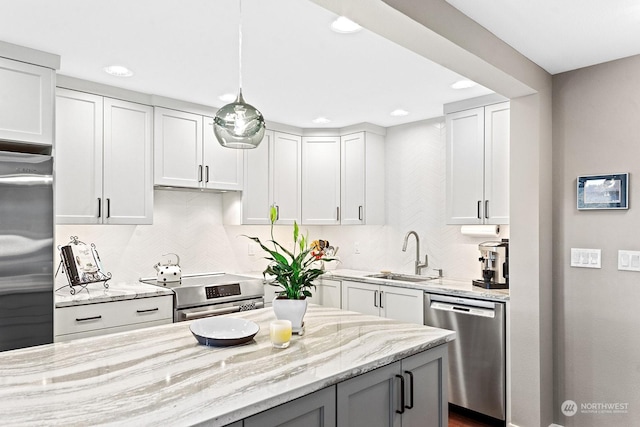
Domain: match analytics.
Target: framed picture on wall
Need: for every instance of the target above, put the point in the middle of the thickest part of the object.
(603, 191)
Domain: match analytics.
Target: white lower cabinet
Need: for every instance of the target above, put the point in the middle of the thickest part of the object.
(88, 320)
(385, 301)
(328, 292)
(408, 393)
(313, 410)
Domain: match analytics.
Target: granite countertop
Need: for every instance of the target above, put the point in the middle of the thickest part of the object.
(95, 293)
(442, 285)
(161, 375)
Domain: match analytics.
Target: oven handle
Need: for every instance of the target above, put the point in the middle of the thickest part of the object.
(213, 312)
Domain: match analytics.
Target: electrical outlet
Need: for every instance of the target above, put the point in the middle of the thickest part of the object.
(356, 248)
(629, 260)
(251, 248)
(586, 258)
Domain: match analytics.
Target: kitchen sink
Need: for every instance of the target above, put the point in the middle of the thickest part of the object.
(401, 277)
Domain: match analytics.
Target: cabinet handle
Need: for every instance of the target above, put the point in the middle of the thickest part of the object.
(381, 292)
(375, 298)
(277, 212)
(199, 173)
(486, 209)
(108, 208)
(206, 174)
(337, 213)
(99, 207)
(410, 405)
(479, 205)
(401, 410)
(360, 212)
(149, 310)
(84, 319)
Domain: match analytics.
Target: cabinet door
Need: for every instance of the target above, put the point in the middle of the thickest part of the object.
(465, 174)
(177, 148)
(321, 180)
(361, 297)
(78, 158)
(331, 293)
(222, 166)
(256, 197)
(353, 179)
(128, 176)
(369, 400)
(317, 409)
(286, 177)
(26, 108)
(496, 161)
(402, 304)
(426, 389)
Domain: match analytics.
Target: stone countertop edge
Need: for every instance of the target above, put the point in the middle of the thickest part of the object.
(161, 375)
(95, 293)
(444, 285)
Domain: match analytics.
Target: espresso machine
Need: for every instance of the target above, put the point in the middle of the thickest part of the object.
(494, 262)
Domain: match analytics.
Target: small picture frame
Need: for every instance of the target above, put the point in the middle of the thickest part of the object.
(603, 191)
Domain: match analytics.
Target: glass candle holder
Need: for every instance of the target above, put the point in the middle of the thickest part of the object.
(280, 333)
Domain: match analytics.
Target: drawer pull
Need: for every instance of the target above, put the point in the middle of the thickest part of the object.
(149, 310)
(84, 319)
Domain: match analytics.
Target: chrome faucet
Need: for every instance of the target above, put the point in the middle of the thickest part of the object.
(419, 265)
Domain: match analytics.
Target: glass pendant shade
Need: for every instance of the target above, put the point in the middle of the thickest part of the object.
(239, 125)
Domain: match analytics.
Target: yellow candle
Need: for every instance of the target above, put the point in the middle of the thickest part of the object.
(280, 333)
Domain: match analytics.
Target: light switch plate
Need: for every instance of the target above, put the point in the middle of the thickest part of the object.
(629, 260)
(586, 258)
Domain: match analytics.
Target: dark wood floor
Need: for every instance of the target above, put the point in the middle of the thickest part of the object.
(457, 419)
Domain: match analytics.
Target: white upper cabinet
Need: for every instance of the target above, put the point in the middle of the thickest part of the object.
(287, 176)
(257, 194)
(272, 178)
(26, 103)
(178, 148)
(362, 179)
(188, 155)
(478, 165)
(222, 166)
(320, 180)
(103, 160)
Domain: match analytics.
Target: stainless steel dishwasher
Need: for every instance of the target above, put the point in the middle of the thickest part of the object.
(477, 357)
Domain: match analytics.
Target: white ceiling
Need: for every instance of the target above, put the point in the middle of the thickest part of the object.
(561, 35)
(294, 67)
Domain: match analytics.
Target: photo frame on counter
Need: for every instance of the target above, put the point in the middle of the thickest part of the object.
(609, 191)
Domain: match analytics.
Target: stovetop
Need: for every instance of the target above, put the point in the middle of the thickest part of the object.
(211, 288)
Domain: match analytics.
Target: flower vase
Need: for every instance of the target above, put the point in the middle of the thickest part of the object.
(292, 310)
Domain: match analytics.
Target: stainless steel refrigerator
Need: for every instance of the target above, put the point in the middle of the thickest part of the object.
(26, 250)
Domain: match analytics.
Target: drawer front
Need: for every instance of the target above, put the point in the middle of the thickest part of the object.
(83, 318)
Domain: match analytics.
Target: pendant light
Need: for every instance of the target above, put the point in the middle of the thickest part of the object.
(238, 124)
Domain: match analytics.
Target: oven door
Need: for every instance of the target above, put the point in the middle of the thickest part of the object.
(193, 313)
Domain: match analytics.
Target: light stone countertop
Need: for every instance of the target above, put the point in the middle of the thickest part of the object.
(444, 285)
(95, 293)
(162, 376)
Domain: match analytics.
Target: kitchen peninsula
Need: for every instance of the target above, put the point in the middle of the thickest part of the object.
(162, 376)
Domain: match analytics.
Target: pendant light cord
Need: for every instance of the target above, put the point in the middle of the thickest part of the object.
(240, 48)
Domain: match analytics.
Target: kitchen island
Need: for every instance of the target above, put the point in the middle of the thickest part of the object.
(162, 376)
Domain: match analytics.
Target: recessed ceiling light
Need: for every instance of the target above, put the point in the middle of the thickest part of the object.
(228, 97)
(463, 84)
(118, 71)
(345, 26)
(321, 121)
(399, 112)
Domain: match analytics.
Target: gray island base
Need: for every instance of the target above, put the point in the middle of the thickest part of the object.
(347, 370)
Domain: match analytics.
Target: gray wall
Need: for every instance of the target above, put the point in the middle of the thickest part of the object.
(596, 129)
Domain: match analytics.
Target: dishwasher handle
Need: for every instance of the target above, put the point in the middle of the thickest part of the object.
(463, 309)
